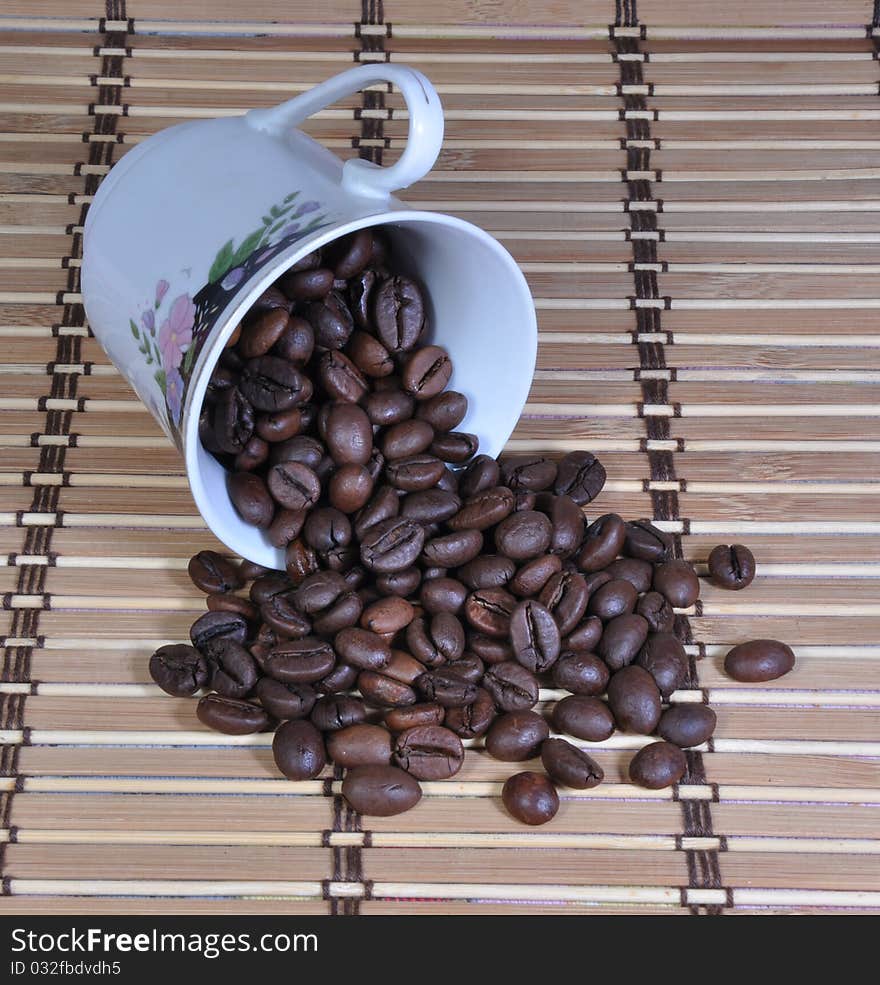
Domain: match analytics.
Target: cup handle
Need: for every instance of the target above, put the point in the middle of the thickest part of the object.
(363, 177)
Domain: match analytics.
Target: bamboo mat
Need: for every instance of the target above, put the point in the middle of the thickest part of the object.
(693, 195)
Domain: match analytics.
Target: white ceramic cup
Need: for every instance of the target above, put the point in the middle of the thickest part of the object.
(193, 224)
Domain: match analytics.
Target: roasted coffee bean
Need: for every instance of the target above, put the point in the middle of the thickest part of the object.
(392, 545)
(532, 576)
(180, 670)
(581, 476)
(331, 320)
(516, 736)
(455, 446)
(758, 661)
(301, 661)
(511, 686)
(362, 649)
(613, 599)
(307, 285)
(268, 585)
(285, 527)
(214, 626)
(580, 673)
(523, 535)
(384, 504)
(388, 615)
(380, 791)
(401, 719)
(483, 510)
(445, 411)
(303, 449)
(687, 725)
(443, 595)
(430, 506)
(251, 498)
(481, 474)
(336, 711)
(487, 571)
(415, 473)
(622, 640)
(349, 434)
(528, 472)
(212, 573)
(341, 379)
(603, 541)
(326, 528)
(646, 542)
(468, 667)
(231, 715)
(732, 566)
(656, 609)
(234, 421)
(634, 700)
(272, 384)
(448, 481)
(657, 765)
(523, 499)
(403, 667)
(429, 752)
(469, 721)
(385, 692)
(597, 579)
(664, 658)
(350, 488)
(296, 343)
(452, 550)
(490, 650)
(489, 610)
(638, 573)
(271, 298)
(233, 671)
(285, 700)
(584, 717)
(300, 561)
(530, 797)
(437, 639)
(678, 582)
(399, 313)
(407, 439)
(446, 689)
(281, 426)
(570, 766)
(293, 485)
(360, 292)
(250, 570)
(343, 677)
(348, 256)
(403, 582)
(388, 407)
(318, 590)
(258, 337)
(360, 745)
(567, 520)
(584, 638)
(426, 372)
(298, 750)
(566, 595)
(534, 636)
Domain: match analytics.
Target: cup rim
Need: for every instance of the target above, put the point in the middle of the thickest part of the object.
(238, 306)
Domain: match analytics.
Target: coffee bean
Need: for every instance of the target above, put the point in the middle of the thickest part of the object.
(528, 472)
(516, 736)
(215, 626)
(231, 715)
(426, 372)
(664, 658)
(532, 576)
(384, 504)
(414, 473)
(758, 661)
(280, 612)
(281, 426)
(388, 615)
(687, 725)
(566, 595)
(233, 421)
(483, 510)
(403, 667)
(272, 384)
(656, 609)
(233, 671)
(430, 506)
(285, 527)
(349, 434)
(385, 692)
(489, 610)
(349, 255)
(482, 473)
(285, 700)
(362, 649)
(534, 636)
(622, 640)
(436, 640)
(511, 686)
(301, 661)
(392, 545)
(452, 550)
(307, 285)
(585, 636)
(271, 298)
(613, 599)
(429, 752)
(468, 667)
(570, 766)
(388, 407)
(603, 541)
(634, 700)
(646, 542)
(581, 476)
(298, 750)
(380, 791)
(212, 573)
(296, 343)
(657, 765)
(407, 439)
(443, 595)
(336, 711)
(399, 313)
(258, 337)
(523, 535)
(487, 571)
(446, 689)
(403, 582)
(583, 717)
(677, 581)
(331, 320)
(350, 488)
(341, 379)
(293, 485)
(455, 446)
(428, 713)
(308, 451)
(732, 566)
(252, 456)
(360, 293)
(471, 720)
(360, 745)
(490, 650)
(251, 498)
(638, 573)
(580, 673)
(530, 797)
(343, 677)
(567, 520)
(180, 670)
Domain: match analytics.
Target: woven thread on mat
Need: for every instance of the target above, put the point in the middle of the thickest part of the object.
(703, 866)
(38, 539)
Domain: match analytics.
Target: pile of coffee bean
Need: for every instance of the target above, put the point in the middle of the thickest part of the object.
(423, 605)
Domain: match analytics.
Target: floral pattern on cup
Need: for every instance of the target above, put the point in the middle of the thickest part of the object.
(171, 329)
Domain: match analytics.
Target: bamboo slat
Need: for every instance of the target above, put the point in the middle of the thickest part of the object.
(694, 200)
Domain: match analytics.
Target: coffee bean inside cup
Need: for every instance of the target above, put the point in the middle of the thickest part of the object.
(432, 596)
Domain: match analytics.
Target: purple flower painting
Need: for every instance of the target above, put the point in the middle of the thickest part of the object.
(175, 333)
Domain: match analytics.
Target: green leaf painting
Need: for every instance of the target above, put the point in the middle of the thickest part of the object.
(134, 329)
(222, 262)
